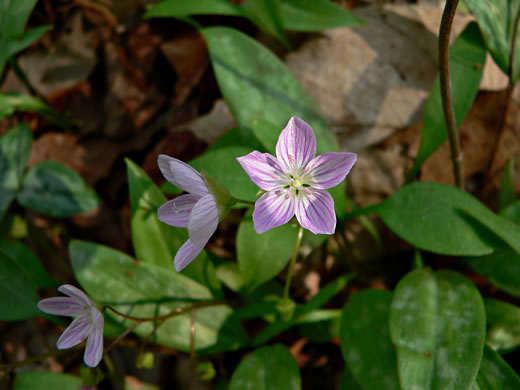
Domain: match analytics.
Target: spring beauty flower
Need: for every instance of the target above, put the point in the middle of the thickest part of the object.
(200, 210)
(295, 181)
(88, 322)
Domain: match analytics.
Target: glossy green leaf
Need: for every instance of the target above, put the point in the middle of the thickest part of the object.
(29, 262)
(495, 373)
(267, 368)
(13, 18)
(315, 15)
(503, 325)
(154, 241)
(15, 147)
(348, 382)
(467, 58)
(496, 20)
(262, 256)
(266, 14)
(31, 380)
(182, 8)
(502, 268)
(54, 189)
(507, 194)
(365, 340)
(441, 219)
(438, 325)
(18, 297)
(12, 102)
(512, 212)
(222, 165)
(145, 290)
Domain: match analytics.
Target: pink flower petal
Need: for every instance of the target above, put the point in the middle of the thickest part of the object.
(62, 306)
(271, 210)
(182, 175)
(296, 145)
(203, 220)
(76, 332)
(263, 169)
(176, 212)
(315, 212)
(76, 294)
(329, 169)
(94, 348)
(186, 254)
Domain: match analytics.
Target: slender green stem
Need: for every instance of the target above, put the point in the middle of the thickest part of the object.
(457, 157)
(291, 264)
(20, 74)
(236, 200)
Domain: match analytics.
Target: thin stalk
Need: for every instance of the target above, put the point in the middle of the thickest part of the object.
(236, 200)
(457, 157)
(291, 264)
(20, 74)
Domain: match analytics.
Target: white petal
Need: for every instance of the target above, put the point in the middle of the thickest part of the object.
(203, 220)
(273, 209)
(329, 169)
(182, 175)
(62, 306)
(263, 169)
(296, 145)
(76, 332)
(186, 254)
(94, 348)
(76, 294)
(315, 212)
(176, 212)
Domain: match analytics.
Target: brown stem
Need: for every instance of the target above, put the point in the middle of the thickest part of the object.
(457, 156)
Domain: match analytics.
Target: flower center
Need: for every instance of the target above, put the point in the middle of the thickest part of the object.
(296, 184)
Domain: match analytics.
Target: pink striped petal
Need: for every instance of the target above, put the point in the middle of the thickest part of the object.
(296, 145)
(76, 332)
(272, 209)
(76, 294)
(315, 212)
(94, 348)
(186, 254)
(330, 169)
(263, 169)
(176, 212)
(62, 306)
(203, 220)
(182, 175)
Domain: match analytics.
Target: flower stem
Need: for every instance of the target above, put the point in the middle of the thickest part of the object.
(236, 200)
(457, 156)
(291, 264)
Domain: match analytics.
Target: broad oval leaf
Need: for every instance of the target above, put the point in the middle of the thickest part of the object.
(18, 296)
(438, 324)
(365, 340)
(30, 380)
(267, 368)
(467, 58)
(502, 268)
(503, 325)
(53, 189)
(495, 373)
(145, 290)
(440, 218)
(262, 256)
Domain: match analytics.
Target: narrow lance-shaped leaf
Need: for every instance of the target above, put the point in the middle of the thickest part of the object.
(507, 194)
(438, 324)
(467, 58)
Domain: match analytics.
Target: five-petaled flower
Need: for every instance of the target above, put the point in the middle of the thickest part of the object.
(88, 322)
(295, 181)
(200, 210)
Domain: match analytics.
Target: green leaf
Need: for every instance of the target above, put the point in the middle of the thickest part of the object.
(145, 290)
(503, 325)
(434, 217)
(266, 14)
(348, 382)
(222, 165)
(11, 102)
(502, 268)
(267, 368)
(182, 8)
(315, 15)
(496, 20)
(438, 325)
(30, 380)
(18, 297)
(507, 194)
(15, 147)
(154, 241)
(54, 189)
(467, 58)
(495, 373)
(29, 262)
(365, 340)
(262, 256)
(512, 212)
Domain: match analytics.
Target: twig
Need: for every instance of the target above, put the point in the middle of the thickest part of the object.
(457, 156)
